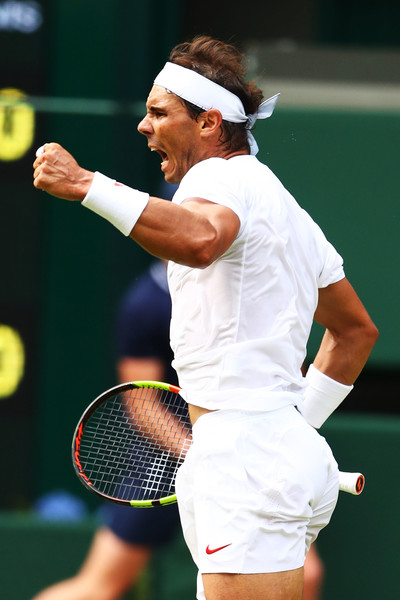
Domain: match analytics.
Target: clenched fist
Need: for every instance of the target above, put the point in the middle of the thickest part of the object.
(57, 173)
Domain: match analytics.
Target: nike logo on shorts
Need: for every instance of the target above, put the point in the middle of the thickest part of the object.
(209, 551)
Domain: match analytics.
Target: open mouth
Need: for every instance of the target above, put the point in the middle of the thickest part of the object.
(164, 157)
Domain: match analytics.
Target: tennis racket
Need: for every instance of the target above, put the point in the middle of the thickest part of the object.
(131, 440)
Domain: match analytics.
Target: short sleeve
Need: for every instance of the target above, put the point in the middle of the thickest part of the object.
(214, 180)
(331, 263)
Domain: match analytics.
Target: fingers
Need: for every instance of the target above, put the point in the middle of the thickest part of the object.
(38, 161)
(45, 148)
(57, 173)
(40, 152)
(44, 163)
(36, 174)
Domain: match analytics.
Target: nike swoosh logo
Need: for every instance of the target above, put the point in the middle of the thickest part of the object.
(209, 551)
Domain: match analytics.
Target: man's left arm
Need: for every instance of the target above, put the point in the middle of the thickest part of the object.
(349, 335)
(347, 343)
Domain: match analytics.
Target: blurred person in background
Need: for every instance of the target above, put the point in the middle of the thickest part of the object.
(124, 544)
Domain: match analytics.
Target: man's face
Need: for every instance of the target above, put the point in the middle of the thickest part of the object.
(171, 132)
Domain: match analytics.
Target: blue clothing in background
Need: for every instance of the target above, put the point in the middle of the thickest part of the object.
(143, 332)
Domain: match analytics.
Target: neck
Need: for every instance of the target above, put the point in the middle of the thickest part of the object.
(236, 153)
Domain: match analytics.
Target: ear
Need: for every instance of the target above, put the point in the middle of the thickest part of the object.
(210, 122)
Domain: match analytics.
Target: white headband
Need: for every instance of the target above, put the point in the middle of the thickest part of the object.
(206, 94)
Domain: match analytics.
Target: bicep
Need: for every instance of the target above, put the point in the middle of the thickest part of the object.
(339, 308)
(195, 233)
(223, 219)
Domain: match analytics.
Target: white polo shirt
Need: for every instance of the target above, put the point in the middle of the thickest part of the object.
(239, 327)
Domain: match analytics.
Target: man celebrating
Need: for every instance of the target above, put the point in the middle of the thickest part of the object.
(249, 270)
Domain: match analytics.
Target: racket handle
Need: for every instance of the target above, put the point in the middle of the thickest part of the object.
(353, 483)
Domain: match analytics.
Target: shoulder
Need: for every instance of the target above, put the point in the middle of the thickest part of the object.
(217, 174)
(228, 182)
(220, 165)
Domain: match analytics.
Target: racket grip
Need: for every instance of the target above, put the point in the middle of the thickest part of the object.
(353, 483)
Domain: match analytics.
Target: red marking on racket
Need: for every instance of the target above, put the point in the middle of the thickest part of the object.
(174, 388)
(76, 454)
(360, 484)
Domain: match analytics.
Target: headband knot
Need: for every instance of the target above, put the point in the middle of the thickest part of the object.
(206, 94)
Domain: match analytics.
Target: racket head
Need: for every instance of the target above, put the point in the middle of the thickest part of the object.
(130, 441)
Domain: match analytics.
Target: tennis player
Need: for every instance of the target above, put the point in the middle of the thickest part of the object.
(249, 270)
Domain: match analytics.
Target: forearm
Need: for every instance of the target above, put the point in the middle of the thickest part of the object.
(346, 345)
(343, 358)
(161, 427)
(159, 424)
(336, 366)
(194, 233)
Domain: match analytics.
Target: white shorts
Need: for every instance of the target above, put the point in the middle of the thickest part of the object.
(255, 490)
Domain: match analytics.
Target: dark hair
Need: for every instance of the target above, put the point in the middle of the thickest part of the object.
(223, 64)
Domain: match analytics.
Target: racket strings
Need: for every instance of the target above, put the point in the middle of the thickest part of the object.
(126, 446)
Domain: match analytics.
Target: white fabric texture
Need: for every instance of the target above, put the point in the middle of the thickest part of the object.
(255, 490)
(239, 327)
(206, 94)
(118, 203)
(322, 396)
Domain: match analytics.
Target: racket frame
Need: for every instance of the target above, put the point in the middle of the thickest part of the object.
(76, 441)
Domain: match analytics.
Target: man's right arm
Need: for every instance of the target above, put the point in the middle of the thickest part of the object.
(195, 233)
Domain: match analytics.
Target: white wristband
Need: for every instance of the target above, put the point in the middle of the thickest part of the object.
(119, 204)
(322, 396)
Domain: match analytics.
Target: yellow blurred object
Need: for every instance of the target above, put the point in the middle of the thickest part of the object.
(12, 360)
(17, 124)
